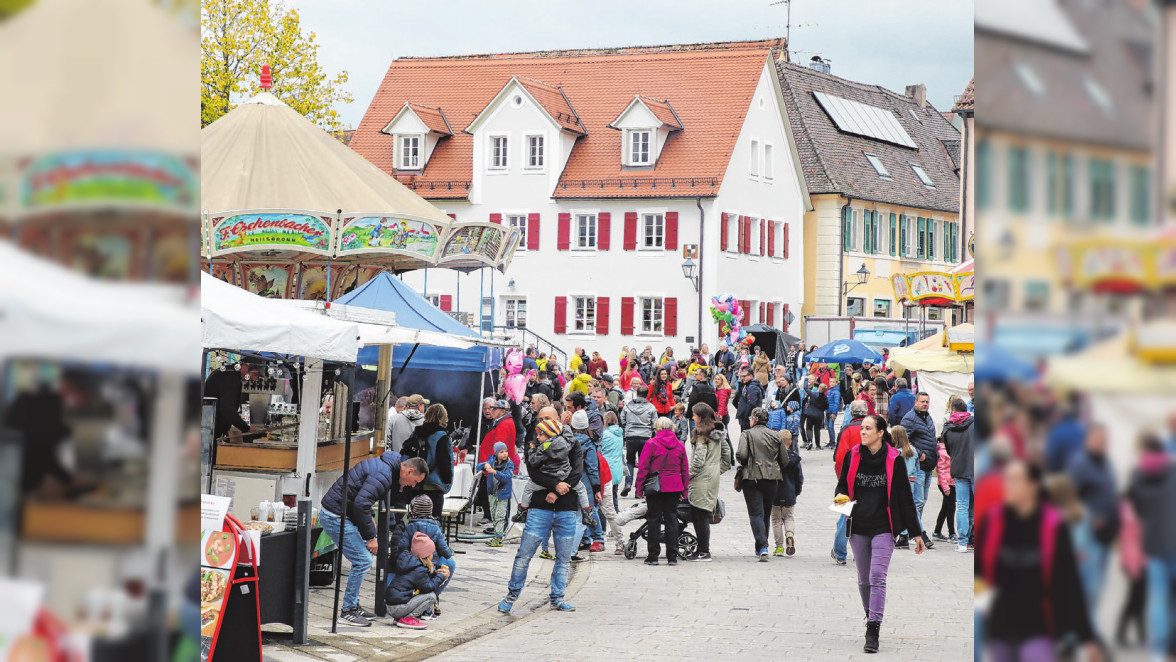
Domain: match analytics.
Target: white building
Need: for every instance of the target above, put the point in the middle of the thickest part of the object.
(611, 162)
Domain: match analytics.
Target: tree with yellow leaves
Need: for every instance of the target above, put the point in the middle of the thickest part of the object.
(238, 36)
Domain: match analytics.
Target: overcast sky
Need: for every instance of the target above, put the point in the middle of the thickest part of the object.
(891, 43)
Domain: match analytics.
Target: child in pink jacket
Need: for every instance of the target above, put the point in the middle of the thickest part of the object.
(947, 487)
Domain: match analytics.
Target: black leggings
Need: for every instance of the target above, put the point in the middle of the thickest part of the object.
(663, 509)
(701, 528)
(810, 429)
(1133, 610)
(946, 513)
(633, 446)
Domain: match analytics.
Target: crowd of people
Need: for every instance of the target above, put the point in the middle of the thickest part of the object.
(1052, 507)
(663, 431)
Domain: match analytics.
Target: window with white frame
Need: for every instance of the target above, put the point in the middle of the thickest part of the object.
(516, 312)
(753, 158)
(534, 152)
(498, 152)
(923, 177)
(753, 241)
(410, 152)
(768, 169)
(877, 164)
(584, 308)
(519, 222)
(639, 147)
(653, 230)
(652, 313)
(585, 232)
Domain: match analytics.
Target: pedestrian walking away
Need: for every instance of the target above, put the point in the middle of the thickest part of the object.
(710, 458)
(762, 458)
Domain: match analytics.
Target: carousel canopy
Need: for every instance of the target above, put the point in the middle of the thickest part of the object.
(934, 353)
(1121, 365)
(50, 313)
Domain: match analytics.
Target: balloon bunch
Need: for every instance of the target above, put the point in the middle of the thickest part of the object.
(516, 383)
(726, 311)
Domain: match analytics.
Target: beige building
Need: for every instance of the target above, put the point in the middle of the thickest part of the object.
(882, 170)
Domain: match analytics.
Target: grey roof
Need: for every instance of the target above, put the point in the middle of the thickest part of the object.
(833, 161)
(1118, 62)
(952, 147)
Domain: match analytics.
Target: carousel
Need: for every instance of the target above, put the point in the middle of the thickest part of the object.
(956, 288)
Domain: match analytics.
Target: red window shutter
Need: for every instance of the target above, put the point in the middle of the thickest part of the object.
(763, 236)
(453, 216)
(784, 316)
(747, 235)
(532, 232)
(786, 241)
(561, 314)
(626, 316)
(564, 232)
(771, 314)
(672, 230)
(602, 316)
(671, 316)
(723, 226)
(603, 228)
(771, 238)
(741, 232)
(745, 305)
(496, 218)
(630, 230)
(446, 303)
(763, 312)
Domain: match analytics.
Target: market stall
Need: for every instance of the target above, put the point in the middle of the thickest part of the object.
(942, 363)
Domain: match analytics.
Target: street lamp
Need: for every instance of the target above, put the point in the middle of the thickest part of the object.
(862, 274)
(690, 271)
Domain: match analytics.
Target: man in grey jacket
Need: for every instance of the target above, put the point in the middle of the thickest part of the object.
(637, 419)
(921, 431)
(402, 423)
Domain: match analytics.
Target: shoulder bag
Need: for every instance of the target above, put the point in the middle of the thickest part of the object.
(652, 482)
(719, 512)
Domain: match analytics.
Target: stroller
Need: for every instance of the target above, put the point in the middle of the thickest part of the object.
(687, 543)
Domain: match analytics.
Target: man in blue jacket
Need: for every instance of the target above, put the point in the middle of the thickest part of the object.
(900, 403)
(367, 483)
(921, 431)
(750, 397)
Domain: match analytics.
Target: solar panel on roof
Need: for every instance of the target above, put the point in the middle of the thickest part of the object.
(863, 120)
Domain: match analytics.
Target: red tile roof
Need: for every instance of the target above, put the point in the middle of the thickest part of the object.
(432, 117)
(555, 102)
(709, 85)
(662, 111)
(966, 101)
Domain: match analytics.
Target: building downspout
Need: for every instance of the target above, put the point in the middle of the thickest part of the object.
(841, 261)
(701, 228)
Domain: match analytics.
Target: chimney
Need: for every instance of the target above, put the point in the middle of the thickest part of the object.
(781, 49)
(918, 93)
(819, 64)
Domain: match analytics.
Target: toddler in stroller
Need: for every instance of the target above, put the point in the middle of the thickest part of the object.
(687, 543)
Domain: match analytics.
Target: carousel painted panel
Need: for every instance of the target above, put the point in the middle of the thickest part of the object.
(272, 234)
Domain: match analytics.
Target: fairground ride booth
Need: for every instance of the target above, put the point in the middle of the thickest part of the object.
(942, 365)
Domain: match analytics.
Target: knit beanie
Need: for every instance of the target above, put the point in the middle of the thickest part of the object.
(552, 428)
(580, 420)
(422, 546)
(499, 447)
(422, 506)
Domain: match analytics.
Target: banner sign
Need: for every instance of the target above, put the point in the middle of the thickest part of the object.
(278, 231)
(92, 178)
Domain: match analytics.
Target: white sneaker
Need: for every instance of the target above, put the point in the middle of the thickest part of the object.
(962, 549)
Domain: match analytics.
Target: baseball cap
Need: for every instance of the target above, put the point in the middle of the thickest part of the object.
(416, 400)
(606, 378)
(501, 404)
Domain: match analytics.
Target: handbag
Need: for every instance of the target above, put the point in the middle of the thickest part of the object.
(719, 512)
(652, 482)
(739, 479)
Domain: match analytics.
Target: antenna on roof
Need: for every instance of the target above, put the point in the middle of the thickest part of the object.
(787, 26)
(267, 81)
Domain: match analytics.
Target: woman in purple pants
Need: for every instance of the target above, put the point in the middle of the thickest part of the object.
(875, 476)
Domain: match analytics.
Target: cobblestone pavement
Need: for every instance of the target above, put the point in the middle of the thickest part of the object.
(803, 607)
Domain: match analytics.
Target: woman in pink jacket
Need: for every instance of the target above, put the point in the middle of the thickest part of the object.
(947, 488)
(664, 455)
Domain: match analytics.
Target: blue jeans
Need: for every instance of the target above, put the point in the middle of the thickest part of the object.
(839, 541)
(354, 549)
(922, 485)
(965, 490)
(596, 533)
(452, 565)
(1161, 572)
(540, 525)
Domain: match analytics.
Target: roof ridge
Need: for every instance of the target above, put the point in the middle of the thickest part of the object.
(862, 86)
(699, 47)
(537, 82)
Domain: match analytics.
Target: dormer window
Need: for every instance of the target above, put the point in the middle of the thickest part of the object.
(639, 147)
(410, 152)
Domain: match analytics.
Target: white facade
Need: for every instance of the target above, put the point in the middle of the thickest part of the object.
(648, 272)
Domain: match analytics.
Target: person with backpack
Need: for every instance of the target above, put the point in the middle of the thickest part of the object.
(783, 523)
(431, 443)
(874, 477)
(637, 420)
(1027, 560)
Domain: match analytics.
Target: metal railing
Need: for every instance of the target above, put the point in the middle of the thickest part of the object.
(528, 337)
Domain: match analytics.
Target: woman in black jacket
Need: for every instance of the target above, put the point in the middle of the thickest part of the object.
(816, 403)
(874, 475)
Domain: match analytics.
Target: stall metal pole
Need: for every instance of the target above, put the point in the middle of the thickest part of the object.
(343, 490)
(312, 387)
(162, 481)
(481, 295)
(478, 440)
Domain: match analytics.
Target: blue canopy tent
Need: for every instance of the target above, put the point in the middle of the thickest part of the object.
(437, 373)
(997, 364)
(844, 351)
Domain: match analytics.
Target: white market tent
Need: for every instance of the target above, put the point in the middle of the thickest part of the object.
(52, 313)
(233, 319)
(942, 371)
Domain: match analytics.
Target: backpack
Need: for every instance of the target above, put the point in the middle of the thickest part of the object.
(415, 446)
